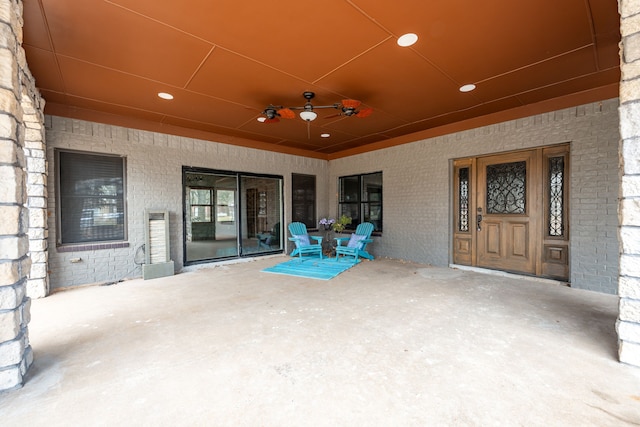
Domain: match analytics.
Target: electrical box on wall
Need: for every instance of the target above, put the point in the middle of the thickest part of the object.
(158, 261)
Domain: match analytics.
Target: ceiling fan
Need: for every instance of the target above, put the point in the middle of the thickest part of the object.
(347, 107)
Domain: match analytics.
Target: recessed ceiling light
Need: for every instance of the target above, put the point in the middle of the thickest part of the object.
(467, 88)
(325, 135)
(262, 119)
(165, 95)
(407, 39)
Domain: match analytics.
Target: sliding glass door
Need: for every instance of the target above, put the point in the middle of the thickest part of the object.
(210, 216)
(262, 214)
(230, 214)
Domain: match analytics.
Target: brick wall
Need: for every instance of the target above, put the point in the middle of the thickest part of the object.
(417, 192)
(154, 181)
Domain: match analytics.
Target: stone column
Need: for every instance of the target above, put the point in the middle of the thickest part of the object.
(628, 325)
(15, 351)
(35, 153)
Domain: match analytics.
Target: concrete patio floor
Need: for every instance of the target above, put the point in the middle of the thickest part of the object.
(387, 343)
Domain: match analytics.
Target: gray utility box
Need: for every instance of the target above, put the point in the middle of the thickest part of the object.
(157, 262)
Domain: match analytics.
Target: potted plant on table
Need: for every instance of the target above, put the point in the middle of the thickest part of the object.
(341, 223)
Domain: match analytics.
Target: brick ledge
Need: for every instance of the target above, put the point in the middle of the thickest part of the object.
(92, 247)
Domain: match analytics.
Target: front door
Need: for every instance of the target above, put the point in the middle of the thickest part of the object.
(511, 212)
(506, 212)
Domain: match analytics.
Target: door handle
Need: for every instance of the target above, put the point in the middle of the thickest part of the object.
(479, 219)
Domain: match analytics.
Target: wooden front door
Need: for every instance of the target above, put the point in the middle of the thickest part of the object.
(511, 212)
(506, 213)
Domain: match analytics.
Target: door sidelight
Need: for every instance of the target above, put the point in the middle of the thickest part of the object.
(479, 219)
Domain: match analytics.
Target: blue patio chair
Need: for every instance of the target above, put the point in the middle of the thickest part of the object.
(355, 245)
(303, 240)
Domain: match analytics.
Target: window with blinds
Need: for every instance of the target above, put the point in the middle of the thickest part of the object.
(90, 196)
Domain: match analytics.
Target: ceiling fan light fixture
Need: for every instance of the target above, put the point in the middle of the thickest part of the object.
(347, 108)
(408, 39)
(308, 116)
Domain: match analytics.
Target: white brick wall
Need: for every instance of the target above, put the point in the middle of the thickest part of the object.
(154, 181)
(415, 180)
(417, 190)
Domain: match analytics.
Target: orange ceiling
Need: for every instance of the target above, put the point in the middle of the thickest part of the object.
(226, 61)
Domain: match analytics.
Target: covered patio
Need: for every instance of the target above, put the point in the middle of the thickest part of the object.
(387, 342)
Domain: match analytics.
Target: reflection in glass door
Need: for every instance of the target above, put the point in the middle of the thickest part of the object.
(262, 214)
(228, 215)
(210, 216)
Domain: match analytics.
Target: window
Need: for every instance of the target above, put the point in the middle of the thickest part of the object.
(91, 205)
(200, 200)
(303, 197)
(225, 205)
(361, 199)
(200, 205)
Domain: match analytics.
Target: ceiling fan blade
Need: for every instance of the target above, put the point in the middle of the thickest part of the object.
(286, 113)
(351, 103)
(274, 120)
(365, 112)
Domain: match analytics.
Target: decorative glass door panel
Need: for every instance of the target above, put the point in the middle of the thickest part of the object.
(507, 188)
(555, 228)
(464, 209)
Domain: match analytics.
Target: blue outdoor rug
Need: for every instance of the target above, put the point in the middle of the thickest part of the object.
(313, 268)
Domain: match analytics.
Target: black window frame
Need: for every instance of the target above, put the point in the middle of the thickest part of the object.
(304, 199)
(212, 213)
(358, 202)
(73, 208)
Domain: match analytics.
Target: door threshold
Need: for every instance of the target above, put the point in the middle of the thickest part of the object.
(511, 275)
